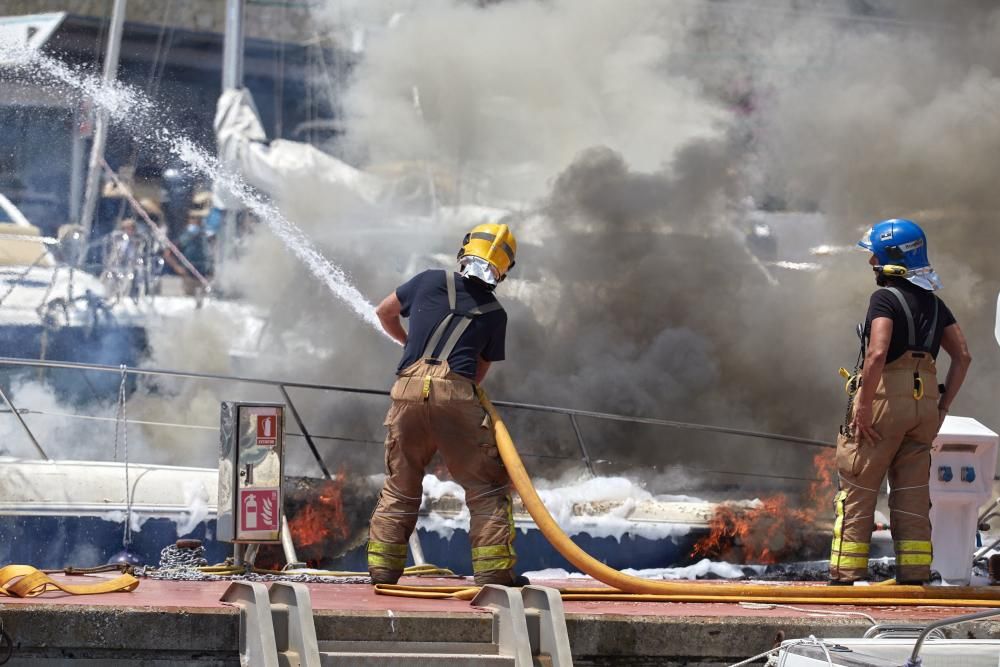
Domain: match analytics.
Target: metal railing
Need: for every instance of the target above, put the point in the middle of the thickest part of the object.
(284, 385)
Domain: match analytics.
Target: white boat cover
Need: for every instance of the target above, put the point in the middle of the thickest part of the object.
(280, 167)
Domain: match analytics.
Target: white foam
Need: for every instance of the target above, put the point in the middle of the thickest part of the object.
(700, 569)
(197, 499)
(445, 526)
(678, 498)
(435, 488)
(596, 489)
(623, 497)
(578, 508)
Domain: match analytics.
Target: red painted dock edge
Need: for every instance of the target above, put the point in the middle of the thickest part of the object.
(361, 598)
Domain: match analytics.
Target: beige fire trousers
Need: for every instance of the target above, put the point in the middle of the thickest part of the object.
(433, 410)
(908, 425)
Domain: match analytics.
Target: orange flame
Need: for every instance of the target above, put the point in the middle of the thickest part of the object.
(772, 530)
(323, 519)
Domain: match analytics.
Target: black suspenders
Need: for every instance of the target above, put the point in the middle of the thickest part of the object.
(911, 332)
(438, 348)
(911, 337)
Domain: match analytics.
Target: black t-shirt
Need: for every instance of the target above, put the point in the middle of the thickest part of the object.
(884, 303)
(425, 301)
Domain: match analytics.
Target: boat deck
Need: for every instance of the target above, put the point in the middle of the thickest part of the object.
(183, 622)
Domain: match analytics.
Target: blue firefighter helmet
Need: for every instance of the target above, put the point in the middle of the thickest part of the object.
(900, 249)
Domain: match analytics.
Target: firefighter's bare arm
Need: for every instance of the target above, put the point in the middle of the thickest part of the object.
(482, 367)
(953, 342)
(388, 314)
(878, 348)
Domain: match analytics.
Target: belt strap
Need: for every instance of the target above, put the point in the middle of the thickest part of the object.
(24, 581)
(911, 334)
(457, 321)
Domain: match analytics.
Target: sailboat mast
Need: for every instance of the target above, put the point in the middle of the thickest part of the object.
(92, 191)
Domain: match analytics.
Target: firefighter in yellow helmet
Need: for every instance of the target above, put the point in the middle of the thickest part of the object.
(898, 408)
(456, 330)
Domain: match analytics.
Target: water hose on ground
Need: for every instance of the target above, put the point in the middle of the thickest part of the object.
(703, 595)
(635, 589)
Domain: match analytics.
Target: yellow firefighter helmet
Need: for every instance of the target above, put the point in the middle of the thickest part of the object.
(493, 244)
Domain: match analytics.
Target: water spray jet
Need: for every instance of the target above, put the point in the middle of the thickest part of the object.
(130, 109)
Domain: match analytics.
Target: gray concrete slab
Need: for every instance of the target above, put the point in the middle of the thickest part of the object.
(182, 623)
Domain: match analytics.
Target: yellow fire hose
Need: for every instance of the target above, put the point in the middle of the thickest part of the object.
(611, 595)
(635, 589)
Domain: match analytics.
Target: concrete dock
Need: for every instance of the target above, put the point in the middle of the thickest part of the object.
(184, 623)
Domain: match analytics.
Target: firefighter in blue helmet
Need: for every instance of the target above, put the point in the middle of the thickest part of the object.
(898, 407)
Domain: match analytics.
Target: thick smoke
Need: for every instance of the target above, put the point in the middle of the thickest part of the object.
(889, 114)
(509, 93)
(639, 128)
(635, 133)
(626, 140)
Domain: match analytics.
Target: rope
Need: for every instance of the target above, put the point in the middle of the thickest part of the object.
(121, 427)
(365, 441)
(67, 415)
(51, 286)
(24, 274)
(811, 612)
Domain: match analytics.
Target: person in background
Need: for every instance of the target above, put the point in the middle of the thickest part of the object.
(193, 244)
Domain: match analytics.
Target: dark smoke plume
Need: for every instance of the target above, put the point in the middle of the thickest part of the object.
(626, 140)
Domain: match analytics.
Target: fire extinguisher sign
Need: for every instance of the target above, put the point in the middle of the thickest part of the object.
(267, 430)
(258, 509)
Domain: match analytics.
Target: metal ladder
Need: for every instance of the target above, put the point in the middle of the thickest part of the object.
(277, 630)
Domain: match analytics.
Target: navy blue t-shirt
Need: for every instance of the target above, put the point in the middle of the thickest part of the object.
(425, 302)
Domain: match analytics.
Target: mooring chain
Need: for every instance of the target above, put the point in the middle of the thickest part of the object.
(193, 574)
(173, 557)
(184, 563)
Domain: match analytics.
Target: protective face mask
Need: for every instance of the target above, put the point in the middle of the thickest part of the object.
(476, 267)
